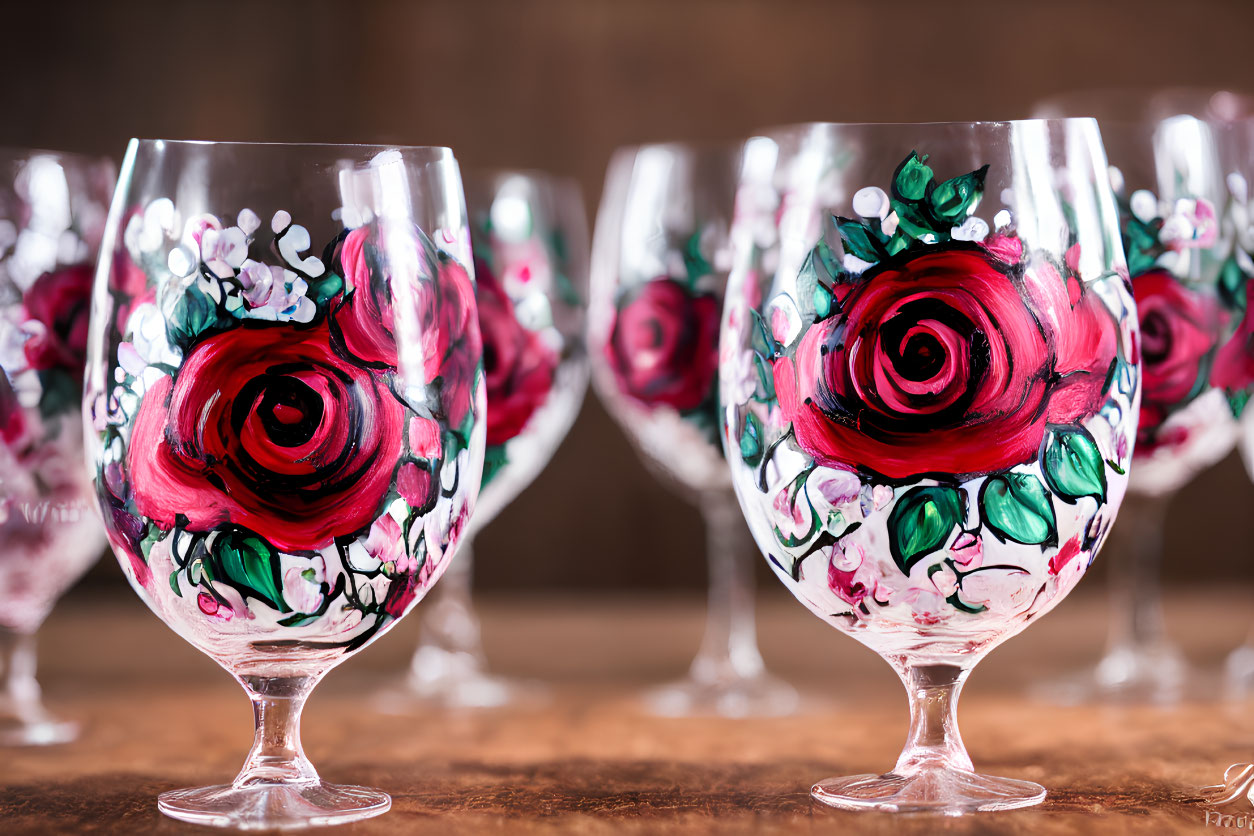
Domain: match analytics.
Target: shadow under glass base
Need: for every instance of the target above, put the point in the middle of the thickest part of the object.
(273, 806)
(755, 696)
(1133, 675)
(945, 790)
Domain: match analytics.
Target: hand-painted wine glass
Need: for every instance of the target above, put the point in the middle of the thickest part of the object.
(659, 270)
(530, 240)
(1166, 177)
(52, 213)
(286, 420)
(1233, 368)
(929, 396)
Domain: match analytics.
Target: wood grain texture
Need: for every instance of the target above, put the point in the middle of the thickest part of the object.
(159, 716)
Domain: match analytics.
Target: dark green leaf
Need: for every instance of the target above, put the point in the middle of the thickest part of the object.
(823, 302)
(493, 460)
(921, 522)
(249, 563)
(912, 221)
(194, 313)
(1232, 281)
(1073, 465)
(760, 337)
(751, 441)
(322, 290)
(61, 393)
(912, 177)
(952, 200)
(859, 241)
(766, 379)
(1016, 506)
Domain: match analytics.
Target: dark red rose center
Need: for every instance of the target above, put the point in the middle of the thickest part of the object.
(1155, 337)
(289, 409)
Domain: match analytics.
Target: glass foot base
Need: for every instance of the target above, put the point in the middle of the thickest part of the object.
(273, 806)
(952, 792)
(1238, 786)
(46, 732)
(1154, 674)
(757, 696)
(443, 679)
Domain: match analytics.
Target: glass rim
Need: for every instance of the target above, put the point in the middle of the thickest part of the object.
(772, 131)
(539, 175)
(440, 150)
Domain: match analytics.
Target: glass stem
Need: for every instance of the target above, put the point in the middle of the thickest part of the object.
(277, 756)
(21, 696)
(1136, 612)
(730, 646)
(449, 622)
(934, 740)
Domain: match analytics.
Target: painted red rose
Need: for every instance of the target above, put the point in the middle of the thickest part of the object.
(452, 347)
(269, 429)
(364, 321)
(12, 418)
(951, 362)
(1234, 362)
(447, 329)
(517, 364)
(663, 347)
(61, 302)
(1180, 328)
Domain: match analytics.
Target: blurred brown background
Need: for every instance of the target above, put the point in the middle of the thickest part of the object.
(557, 84)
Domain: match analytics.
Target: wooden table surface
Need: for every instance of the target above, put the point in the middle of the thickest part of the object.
(157, 715)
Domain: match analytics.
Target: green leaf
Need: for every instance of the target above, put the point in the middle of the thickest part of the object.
(1072, 464)
(60, 393)
(695, 262)
(859, 241)
(823, 302)
(493, 460)
(1232, 285)
(912, 221)
(194, 313)
(1016, 506)
(751, 441)
(953, 200)
(322, 290)
(766, 379)
(921, 522)
(912, 177)
(249, 563)
(760, 337)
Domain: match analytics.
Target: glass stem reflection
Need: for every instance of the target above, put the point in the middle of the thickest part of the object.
(1136, 610)
(934, 741)
(277, 756)
(449, 622)
(20, 701)
(730, 647)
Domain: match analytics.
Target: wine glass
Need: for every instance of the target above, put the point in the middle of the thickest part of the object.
(1170, 190)
(529, 235)
(659, 270)
(929, 398)
(52, 212)
(286, 420)
(1233, 369)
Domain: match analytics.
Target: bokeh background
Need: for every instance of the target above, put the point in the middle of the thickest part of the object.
(557, 85)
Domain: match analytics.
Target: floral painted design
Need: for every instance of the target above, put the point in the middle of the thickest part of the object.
(942, 395)
(51, 216)
(1181, 321)
(263, 457)
(529, 313)
(662, 346)
(1233, 369)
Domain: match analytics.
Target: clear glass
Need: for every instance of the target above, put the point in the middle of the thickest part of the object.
(659, 270)
(530, 238)
(285, 420)
(929, 387)
(52, 213)
(1234, 361)
(1168, 182)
